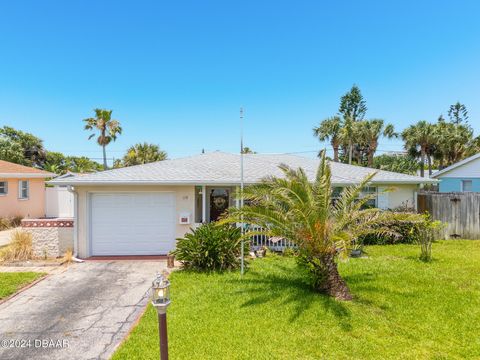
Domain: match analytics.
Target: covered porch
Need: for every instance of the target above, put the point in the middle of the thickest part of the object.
(212, 201)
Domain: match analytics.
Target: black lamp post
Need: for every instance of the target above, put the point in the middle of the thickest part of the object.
(161, 300)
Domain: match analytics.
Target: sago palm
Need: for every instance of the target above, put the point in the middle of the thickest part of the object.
(108, 128)
(294, 208)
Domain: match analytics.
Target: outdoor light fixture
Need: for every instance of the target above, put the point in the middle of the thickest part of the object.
(161, 300)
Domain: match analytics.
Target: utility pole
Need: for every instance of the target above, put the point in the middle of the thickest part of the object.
(242, 268)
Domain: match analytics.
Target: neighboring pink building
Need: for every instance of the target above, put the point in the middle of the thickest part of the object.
(22, 190)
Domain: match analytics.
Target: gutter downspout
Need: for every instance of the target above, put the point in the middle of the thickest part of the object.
(71, 190)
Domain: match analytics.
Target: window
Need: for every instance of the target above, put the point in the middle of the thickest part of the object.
(3, 188)
(198, 205)
(368, 191)
(466, 185)
(336, 192)
(23, 189)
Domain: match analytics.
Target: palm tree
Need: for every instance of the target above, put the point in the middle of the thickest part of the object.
(330, 129)
(247, 150)
(109, 130)
(143, 154)
(453, 142)
(420, 135)
(370, 132)
(296, 209)
(53, 168)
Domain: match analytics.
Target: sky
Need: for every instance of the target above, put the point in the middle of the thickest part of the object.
(175, 73)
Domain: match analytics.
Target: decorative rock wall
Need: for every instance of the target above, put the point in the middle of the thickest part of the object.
(50, 237)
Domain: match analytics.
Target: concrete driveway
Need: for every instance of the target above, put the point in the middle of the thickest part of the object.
(81, 313)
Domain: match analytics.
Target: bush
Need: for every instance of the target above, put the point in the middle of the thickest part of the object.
(20, 247)
(10, 222)
(405, 232)
(210, 247)
(427, 236)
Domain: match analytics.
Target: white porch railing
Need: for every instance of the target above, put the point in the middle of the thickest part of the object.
(273, 243)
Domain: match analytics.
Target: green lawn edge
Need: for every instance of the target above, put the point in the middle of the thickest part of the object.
(403, 308)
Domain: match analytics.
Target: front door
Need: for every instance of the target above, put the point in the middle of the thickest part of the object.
(219, 199)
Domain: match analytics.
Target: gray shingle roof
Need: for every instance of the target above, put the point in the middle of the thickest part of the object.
(224, 168)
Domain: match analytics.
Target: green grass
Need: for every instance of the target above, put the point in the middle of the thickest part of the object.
(11, 282)
(403, 309)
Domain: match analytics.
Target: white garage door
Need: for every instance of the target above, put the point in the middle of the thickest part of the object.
(132, 223)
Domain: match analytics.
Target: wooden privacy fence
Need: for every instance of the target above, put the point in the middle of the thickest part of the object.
(459, 211)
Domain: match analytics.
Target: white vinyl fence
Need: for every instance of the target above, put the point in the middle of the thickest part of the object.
(58, 202)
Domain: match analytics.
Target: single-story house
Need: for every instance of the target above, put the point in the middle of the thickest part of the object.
(463, 176)
(22, 190)
(141, 210)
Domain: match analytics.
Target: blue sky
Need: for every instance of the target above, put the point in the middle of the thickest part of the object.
(175, 73)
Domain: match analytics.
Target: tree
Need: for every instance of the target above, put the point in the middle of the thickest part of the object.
(353, 108)
(32, 146)
(370, 131)
(294, 208)
(60, 164)
(458, 113)
(397, 163)
(82, 164)
(330, 129)
(142, 154)
(108, 128)
(453, 142)
(420, 136)
(12, 151)
(247, 150)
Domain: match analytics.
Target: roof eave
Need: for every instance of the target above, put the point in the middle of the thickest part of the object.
(218, 183)
(456, 165)
(25, 175)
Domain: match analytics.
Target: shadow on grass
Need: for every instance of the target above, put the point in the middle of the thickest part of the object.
(290, 289)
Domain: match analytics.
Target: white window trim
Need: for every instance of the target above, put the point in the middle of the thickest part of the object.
(20, 190)
(463, 185)
(6, 188)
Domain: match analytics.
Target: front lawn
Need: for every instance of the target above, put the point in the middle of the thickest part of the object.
(403, 308)
(11, 282)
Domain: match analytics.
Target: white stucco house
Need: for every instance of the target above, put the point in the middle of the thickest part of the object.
(141, 210)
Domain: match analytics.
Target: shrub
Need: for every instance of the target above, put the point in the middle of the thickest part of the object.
(210, 247)
(426, 236)
(403, 231)
(10, 222)
(20, 247)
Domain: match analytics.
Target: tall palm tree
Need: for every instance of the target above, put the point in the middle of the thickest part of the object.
(143, 154)
(109, 130)
(454, 142)
(294, 208)
(420, 136)
(370, 131)
(330, 129)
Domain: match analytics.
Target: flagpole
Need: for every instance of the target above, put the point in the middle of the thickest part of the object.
(242, 268)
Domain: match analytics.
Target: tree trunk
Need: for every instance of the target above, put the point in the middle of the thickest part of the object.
(429, 160)
(328, 280)
(335, 153)
(105, 166)
(350, 152)
(422, 162)
(440, 165)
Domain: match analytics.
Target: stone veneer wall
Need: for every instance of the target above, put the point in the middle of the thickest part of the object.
(50, 237)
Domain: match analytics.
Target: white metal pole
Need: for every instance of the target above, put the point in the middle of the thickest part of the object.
(242, 269)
